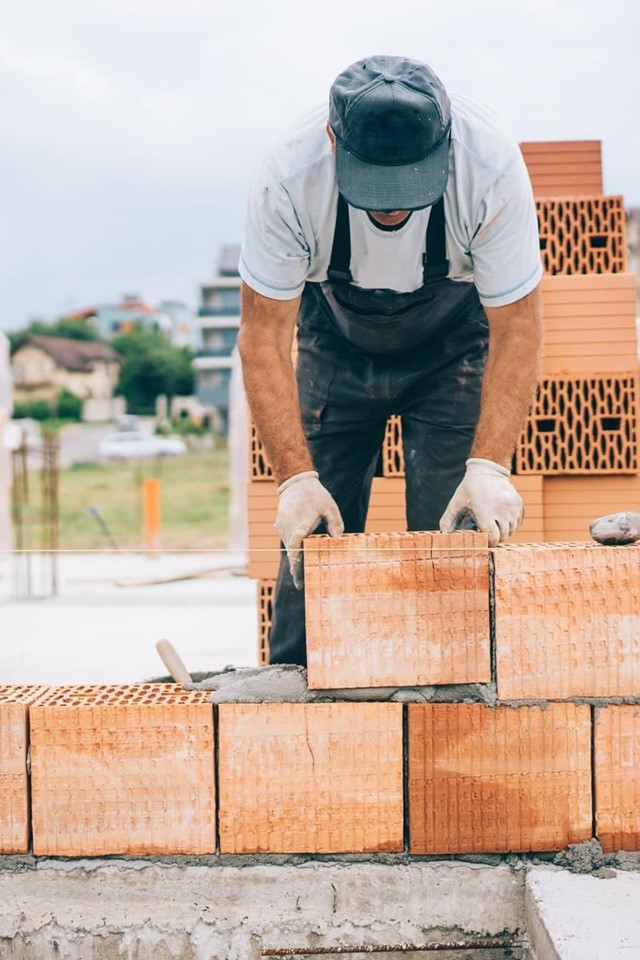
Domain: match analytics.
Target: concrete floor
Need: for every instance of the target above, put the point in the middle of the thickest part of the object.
(97, 632)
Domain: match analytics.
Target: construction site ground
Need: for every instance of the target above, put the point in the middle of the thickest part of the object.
(103, 625)
(102, 628)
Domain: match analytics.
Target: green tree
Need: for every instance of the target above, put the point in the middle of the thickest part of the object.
(152, 366)
(74, 329)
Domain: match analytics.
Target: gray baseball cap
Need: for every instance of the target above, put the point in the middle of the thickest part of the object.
(391, 118)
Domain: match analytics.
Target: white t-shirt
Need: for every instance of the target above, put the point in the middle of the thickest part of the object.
(491, 225)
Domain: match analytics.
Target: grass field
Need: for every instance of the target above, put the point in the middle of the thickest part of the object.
(194, 502)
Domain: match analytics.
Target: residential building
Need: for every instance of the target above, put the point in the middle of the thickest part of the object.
(219, 319)
(110, 319)
(43, 366)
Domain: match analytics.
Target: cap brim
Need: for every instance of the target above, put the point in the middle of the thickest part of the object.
(411, 186)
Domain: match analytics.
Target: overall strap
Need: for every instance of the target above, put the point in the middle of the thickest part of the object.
(435, 263)
(340, 265)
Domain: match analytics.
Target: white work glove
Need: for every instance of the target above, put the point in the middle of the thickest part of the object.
(304, 503)
(486, 496)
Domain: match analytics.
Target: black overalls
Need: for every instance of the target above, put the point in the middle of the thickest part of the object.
(364, 355)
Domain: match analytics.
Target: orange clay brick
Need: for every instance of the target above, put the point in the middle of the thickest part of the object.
(571, 503)
(123, 770)
(589, 324)
(15, 701)
(398, 609)
(582, 425)
(586, 235)
(310, 778)
(392, 454)
(569, 168)
(617, 777)
(266, 590)
(498, 780)
(567, 621)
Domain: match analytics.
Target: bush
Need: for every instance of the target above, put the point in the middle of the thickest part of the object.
(69, 407)
(39, 409)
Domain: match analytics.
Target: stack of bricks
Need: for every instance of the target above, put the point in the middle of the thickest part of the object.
(578, 457)
(527, 738)
(581, 438)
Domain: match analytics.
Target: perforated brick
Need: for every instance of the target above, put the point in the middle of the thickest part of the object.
(397, 609)
(259, 466)
(581, 425)
(498, 780)
(567, 621)
(123, 770)
(589, 324)
(392, 454)
(617, 777)
(266, 590)
(310, 778)
(586, 235)
(15, 701)
(569, 168)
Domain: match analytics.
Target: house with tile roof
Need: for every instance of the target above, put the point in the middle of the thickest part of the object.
(44, 366)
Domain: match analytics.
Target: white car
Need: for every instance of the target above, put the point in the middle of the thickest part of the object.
(136, 444)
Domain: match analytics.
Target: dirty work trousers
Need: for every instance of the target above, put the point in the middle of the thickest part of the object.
(346, 396)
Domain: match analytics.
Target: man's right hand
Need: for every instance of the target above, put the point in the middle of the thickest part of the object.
(303, 505)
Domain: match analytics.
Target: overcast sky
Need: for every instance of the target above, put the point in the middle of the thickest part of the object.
(130, 128)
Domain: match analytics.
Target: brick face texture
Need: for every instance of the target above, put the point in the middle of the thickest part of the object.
(498, 779)
(567, 621)
(311, 778)
(589, 323)
(581, 236)
(581, 425)
(14, 782)
(122, 770)
(617, 776)
(397, 610)
(564, 168)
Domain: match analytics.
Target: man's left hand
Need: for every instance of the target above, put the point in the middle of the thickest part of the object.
(487, 496)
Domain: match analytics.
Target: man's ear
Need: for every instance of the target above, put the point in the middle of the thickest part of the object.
(332, 138)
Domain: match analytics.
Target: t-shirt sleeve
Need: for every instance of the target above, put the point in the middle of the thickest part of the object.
(274, 257)
(505, 248)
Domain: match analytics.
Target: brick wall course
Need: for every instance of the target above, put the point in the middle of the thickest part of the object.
(498, 779)
(310, 778)
(122, 770)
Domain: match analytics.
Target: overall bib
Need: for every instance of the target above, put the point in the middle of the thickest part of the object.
(364, 355)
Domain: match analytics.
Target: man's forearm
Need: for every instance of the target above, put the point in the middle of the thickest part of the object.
(264, 343)
(510, 378)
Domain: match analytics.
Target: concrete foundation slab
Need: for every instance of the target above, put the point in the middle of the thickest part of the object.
(139, 910)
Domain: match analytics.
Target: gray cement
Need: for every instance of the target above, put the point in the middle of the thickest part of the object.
(137, 910)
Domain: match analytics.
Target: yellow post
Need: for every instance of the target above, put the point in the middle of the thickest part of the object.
(151, 514)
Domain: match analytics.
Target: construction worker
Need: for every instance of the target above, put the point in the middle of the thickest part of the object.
(399, 233)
